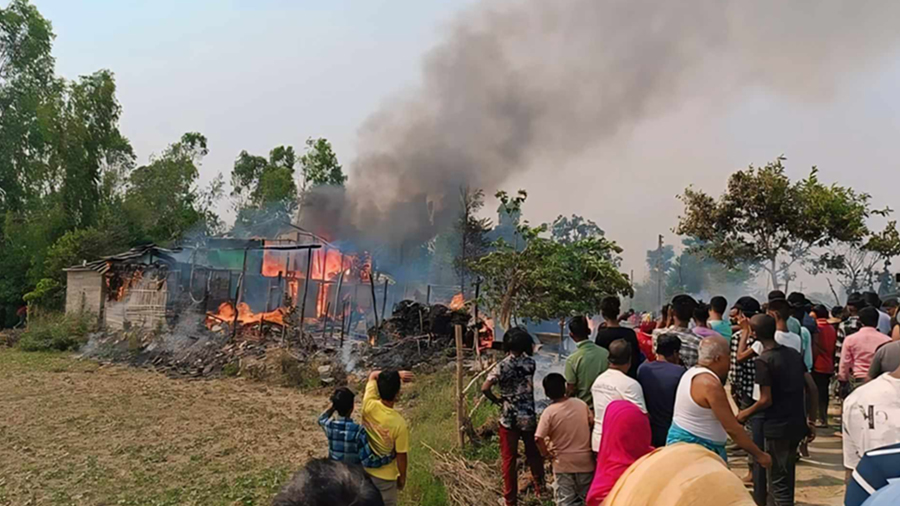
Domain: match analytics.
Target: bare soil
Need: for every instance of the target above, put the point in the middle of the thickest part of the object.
(73, 432)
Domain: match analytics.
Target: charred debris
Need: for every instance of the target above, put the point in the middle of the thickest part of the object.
(262, 307)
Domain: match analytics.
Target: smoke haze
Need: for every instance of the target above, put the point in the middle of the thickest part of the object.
(516, 82)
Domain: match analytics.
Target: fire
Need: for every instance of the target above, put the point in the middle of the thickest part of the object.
(245, 316)
(457, 302)
(486, 333)
(327, 263)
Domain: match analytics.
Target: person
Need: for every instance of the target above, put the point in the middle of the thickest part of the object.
(884, 320)
(859, 349)
(387, 431)
(702, 412)
(780, 311)
(514, 375)
(783, 382)
(801, 312)
(659, 383)
(586, 363)
(613, 385)
(850, 323)
(645, 339)
(892, 307)
(347, 440)
(609, 309)
(717, 321)
(871, 419)
(742, 369)
(887, 496)
(682, 309)
(679, 475)
(327, 482)
(566, 423)
(823, 361)
(701, 321)
(886, 359)
(875, 470)
(799, 321)
(627, 440)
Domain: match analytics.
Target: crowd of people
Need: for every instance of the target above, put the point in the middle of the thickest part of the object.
(670, 393)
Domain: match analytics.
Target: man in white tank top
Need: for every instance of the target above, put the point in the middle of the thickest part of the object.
(702, 413)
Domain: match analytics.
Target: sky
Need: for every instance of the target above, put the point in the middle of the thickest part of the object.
(255, 74)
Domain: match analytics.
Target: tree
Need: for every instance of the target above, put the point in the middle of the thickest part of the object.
(764, 219)
(546, 279)
(63, 160)
(163, 199)
(319, 165)
(472, 232)
(264, 189)
(857, 266)
(568, 230)
(509, 218)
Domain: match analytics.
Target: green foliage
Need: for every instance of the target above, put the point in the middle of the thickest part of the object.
(264, 190)
(858, 266)
(47, 294)
(69, 188)
(763, 218)
(547, 279)
(569, 230)
(57, 332)
(319, 165)
(163, 200)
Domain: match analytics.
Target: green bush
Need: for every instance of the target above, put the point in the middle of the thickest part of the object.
(57, 332)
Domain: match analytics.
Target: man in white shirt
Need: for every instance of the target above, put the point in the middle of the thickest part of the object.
(614, 385)
(871, 418)
(780, 309)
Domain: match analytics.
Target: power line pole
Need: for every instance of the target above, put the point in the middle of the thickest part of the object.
(659, 272)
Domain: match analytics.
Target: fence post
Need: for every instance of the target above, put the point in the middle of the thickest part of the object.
(460, 399)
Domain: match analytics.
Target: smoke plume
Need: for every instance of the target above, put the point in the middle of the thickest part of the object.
(520, 80)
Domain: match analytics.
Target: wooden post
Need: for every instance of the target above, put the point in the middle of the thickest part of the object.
(562, 329)
(237, 295)
(428, 297)
(305, 292)
(374, 300)
(337, 294)
(477, 340)
(343, 317)
(460, 400)
(325, 319)
(384, 299)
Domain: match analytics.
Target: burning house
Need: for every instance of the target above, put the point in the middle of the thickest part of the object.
(233, 282)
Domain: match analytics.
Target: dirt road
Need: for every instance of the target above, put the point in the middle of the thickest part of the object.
(820, 477)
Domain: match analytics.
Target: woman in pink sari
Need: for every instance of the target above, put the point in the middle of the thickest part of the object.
(625, 440)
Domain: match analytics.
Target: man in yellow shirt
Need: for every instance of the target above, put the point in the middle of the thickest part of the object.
(387, 431)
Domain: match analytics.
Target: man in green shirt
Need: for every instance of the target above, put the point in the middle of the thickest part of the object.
(586, 363)
(717, 320)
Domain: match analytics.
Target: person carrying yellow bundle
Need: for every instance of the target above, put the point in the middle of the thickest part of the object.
(683, 474)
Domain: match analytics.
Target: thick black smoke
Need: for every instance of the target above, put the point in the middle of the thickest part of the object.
(514, 81)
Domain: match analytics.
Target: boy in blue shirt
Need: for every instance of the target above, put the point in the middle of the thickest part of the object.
(347, 440)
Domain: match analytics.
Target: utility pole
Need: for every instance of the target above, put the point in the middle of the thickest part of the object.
(659, 272)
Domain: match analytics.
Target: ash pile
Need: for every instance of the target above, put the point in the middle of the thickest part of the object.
(421, 337)
(191, 349)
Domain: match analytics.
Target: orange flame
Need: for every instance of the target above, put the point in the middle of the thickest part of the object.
(457, 302)
(327, 263)
(245, 316)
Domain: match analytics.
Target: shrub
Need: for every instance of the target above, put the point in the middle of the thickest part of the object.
(57, 332)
